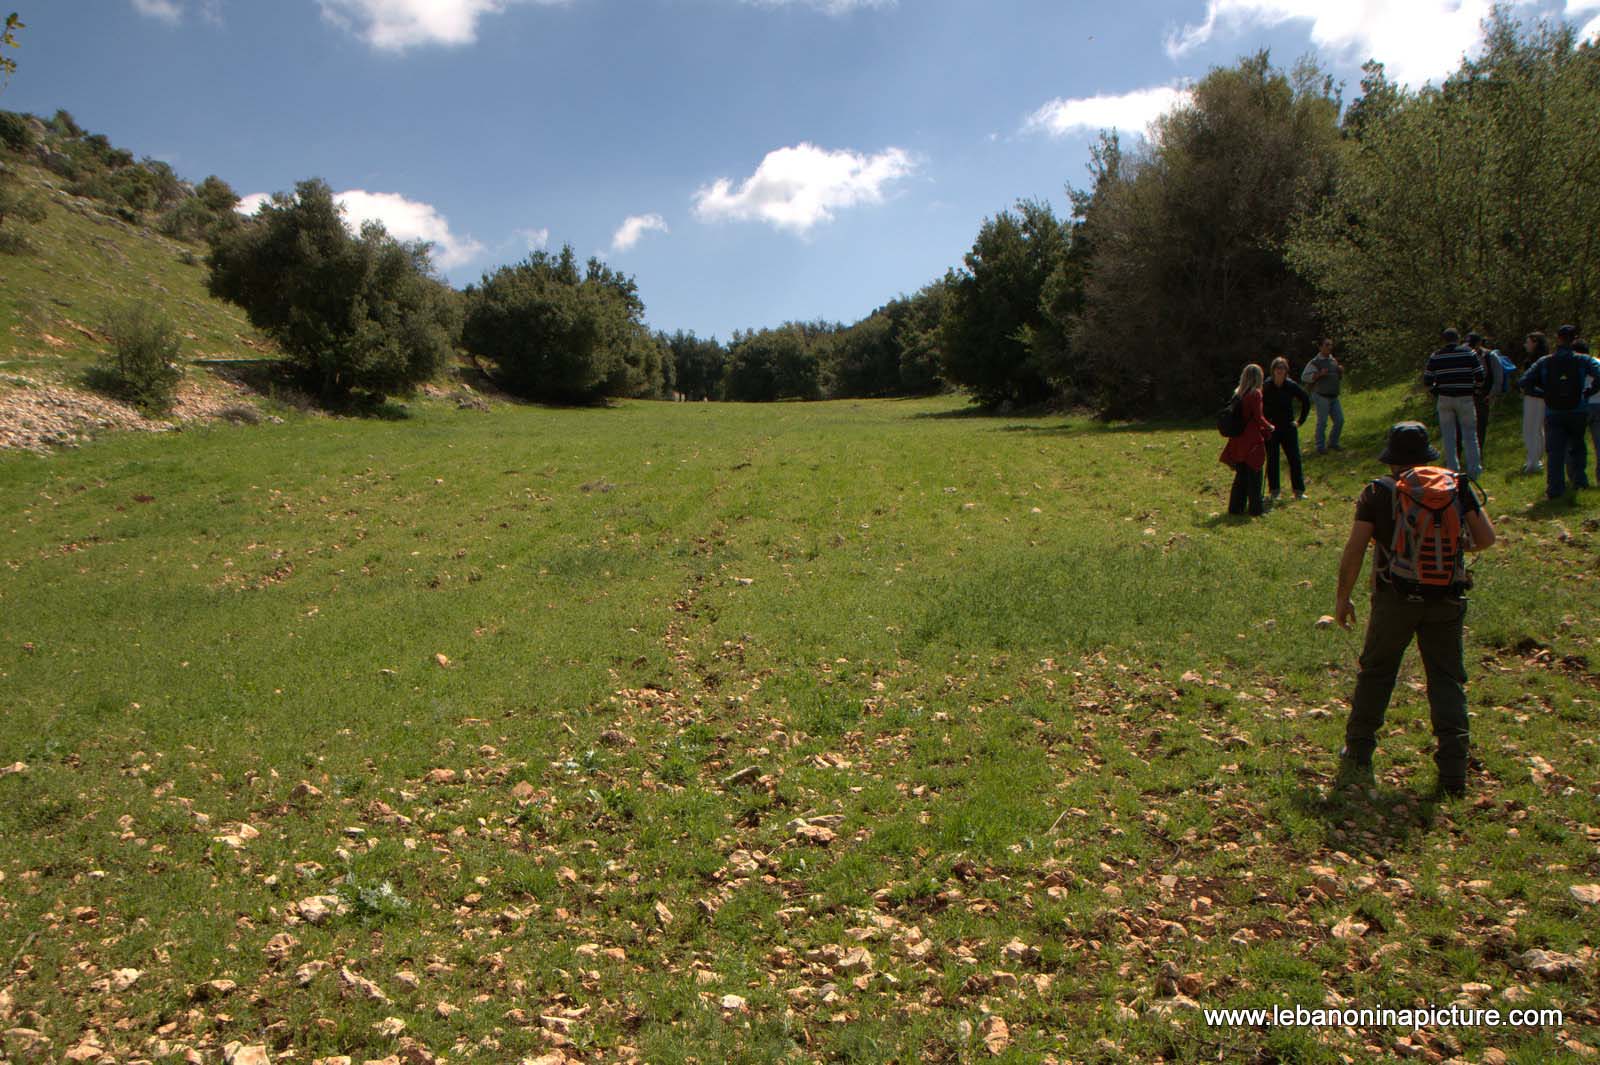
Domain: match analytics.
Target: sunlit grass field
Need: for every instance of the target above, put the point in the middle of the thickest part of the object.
(850, 731)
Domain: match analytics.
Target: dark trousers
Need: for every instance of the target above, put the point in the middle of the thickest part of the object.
(1246, 492)
(1286, 437)
(1566, 450)
(1437, 626)
(1483, 405)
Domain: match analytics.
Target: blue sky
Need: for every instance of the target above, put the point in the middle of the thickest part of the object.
(748, 161)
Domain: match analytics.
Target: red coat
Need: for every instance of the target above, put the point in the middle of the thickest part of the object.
(1250, 446)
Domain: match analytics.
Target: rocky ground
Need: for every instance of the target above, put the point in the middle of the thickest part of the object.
(37, 414)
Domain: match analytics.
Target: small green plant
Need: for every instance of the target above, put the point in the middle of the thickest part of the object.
(142, 367)
(372, 903)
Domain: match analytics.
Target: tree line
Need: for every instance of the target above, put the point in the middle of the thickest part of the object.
(1266, 213)
(1260, 215)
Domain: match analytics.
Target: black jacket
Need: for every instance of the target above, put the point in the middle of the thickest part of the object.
(1278, 403)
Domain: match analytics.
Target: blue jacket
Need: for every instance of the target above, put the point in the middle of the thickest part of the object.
(1533, 382)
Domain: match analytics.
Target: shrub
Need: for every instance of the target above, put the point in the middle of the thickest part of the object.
(16, 132)
(142, 367)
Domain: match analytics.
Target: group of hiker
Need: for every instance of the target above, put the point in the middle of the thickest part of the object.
(1423, 519)
(1560, 403)
(1263, 429)
(1560, 391)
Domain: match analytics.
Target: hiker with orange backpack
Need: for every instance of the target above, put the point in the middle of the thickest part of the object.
(1421, 520)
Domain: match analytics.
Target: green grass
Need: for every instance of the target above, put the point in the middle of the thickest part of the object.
(965, 638)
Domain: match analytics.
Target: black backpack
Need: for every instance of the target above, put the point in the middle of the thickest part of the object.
(1230, 419)
(1563, 382)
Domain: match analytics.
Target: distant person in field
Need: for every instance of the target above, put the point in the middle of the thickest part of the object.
(1278, 397)
(1322, 376)
(1535, 347)
(1246, 453)
(1454, 374)
(1566, 380)
(1421, 520)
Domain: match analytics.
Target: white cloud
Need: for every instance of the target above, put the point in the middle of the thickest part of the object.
(1131, 111)
(395, 25)
(797, 188)
(634, 227)
(1579, 7)
(1416, 40)
(535, 239)
(166, 10)
(172, 11)
(404, 219)
(831, 7)
(410, 220)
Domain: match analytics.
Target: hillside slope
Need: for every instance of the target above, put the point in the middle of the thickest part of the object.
(54, 299)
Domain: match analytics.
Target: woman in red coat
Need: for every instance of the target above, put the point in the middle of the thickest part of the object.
(1247, 452)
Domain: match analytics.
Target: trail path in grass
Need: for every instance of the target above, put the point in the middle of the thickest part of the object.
(849, 731)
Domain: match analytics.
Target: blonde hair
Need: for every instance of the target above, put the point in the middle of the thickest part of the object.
(1279, 361)
(1249, 380)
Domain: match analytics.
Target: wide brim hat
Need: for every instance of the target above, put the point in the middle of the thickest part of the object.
(1408, 445)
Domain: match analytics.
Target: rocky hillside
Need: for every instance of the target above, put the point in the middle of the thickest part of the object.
(76, 265)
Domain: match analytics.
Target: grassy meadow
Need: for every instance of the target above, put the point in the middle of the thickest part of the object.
(852, 731)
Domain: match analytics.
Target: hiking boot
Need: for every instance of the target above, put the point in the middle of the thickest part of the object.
(1354, 774)
(1450, 789)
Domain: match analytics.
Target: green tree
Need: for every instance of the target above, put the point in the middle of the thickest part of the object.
(1186, 276)
(356, 313)
(699, 364)
(772, 364)
(559, 334)
(993, 334)
(1475, 202)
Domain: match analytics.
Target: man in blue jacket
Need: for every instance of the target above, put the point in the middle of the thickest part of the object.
(1565, 380)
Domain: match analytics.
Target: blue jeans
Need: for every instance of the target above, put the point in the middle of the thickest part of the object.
(1565, 450)
(1459, 415)
(1328, 406)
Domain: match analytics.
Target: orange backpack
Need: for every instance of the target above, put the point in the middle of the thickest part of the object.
(1428, 553)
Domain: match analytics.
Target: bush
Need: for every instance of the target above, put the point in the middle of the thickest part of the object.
(16, 132)
(355, 313)
(142, 367)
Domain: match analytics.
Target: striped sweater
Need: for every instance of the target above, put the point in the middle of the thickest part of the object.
(1453, 371)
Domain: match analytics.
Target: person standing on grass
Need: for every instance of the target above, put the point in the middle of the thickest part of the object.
(1536, 347)
(1582, 348)
(1323, 376)
(1565, 380)
(1454, 374)
(1278, 396)
(1247, 452)
(1421, 520)
(1484, 396)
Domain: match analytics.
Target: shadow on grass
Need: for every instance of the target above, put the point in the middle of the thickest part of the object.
(1375, 820)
